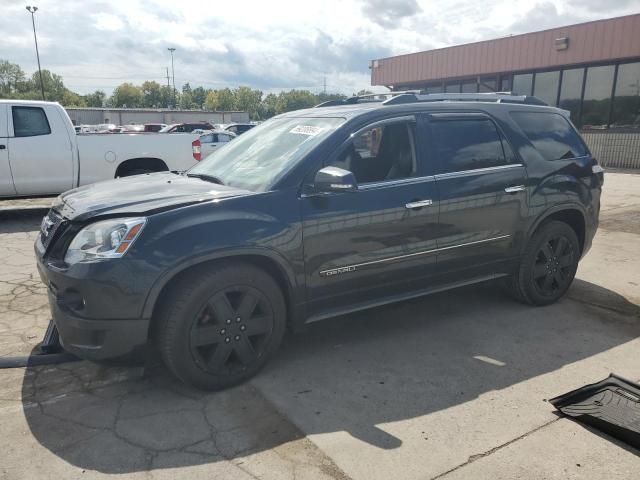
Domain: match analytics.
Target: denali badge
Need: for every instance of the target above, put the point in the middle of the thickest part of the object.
(336, 271)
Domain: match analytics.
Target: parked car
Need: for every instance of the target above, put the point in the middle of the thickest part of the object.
(132, 128)
(239, 128)
(186, 127)
(210, 141)
(314, 214)
(153, 127)
(40, 152)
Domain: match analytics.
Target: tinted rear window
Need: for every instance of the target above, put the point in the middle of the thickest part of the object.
(468, 144)
(551, 134)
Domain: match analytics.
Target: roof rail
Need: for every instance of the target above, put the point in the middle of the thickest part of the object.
(366, 98)
(498, 97)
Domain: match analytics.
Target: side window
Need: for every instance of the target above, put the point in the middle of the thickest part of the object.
(467, 144)
(233, 129)
(206, 138)
(551, 134)
(223, 138)
(381, 153)
(29, 122)
(215, 138)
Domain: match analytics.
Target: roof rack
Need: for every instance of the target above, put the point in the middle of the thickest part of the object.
(498, 97)
(415, 96)
(366, 98)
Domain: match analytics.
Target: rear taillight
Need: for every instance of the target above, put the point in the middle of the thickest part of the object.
(196, 147)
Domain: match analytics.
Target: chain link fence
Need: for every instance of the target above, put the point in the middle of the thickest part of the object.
(614, 150)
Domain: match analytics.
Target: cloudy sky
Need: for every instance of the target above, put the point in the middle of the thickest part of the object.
(266, 44)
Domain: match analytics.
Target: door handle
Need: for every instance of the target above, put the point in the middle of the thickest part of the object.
(419, 204)
(517, 188)
(2, 147)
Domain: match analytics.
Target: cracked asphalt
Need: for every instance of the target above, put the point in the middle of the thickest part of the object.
(450, 386)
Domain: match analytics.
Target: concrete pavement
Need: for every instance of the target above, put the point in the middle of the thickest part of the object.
(450, 386)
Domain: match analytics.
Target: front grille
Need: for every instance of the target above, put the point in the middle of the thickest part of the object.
(49, 227)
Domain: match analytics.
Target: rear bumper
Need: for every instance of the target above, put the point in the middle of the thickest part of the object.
(98, 339)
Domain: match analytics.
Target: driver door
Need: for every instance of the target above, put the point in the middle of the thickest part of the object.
(380, 240)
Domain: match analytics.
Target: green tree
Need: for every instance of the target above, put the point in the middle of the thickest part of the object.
(152, 94)
(127, 95)
(248, 100)
(295, 100)
(95, 99)
(226, 100)
(11, 75)
(72, 99)
(269, 106)
(211, 101)
(363, 92)
(198, 96)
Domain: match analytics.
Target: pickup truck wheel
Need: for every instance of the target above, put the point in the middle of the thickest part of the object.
(221, 326)
(548, 265)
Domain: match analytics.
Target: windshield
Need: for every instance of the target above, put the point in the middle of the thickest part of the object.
(254, 160)
(166, 128)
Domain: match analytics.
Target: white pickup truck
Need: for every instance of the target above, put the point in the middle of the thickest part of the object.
(40, 152)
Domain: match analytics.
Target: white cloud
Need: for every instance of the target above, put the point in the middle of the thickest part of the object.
(272, 45)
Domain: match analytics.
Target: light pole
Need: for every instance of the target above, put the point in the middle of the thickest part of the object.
(173, 75)
(33, 10)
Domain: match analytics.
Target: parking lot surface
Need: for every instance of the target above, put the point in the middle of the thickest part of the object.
(450, 386)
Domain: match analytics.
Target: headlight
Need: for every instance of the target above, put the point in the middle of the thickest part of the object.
(105, 239)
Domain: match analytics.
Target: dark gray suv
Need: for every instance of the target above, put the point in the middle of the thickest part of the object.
(317, 213)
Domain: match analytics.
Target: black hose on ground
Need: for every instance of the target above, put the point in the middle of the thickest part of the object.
(37, 360)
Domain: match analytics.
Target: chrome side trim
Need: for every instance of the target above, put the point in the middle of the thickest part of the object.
(351, 268)
(464, 173)
(401, 181)
(516, 188)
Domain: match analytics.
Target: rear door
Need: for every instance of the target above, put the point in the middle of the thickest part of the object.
(40, 150)
(377, 242)
(483, 195)
(6, 182)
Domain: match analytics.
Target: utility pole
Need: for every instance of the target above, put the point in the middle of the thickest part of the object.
(324, 85)
(33, 10)
(173, 74)
(168, 86)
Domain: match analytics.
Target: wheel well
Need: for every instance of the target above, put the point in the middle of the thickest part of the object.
(153, 164)
(266, 264)
(574, 219)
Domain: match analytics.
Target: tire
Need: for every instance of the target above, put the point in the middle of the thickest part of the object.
(219, 326)
(547, 266)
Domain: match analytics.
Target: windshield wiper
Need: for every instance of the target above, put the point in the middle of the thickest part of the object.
(206, 178)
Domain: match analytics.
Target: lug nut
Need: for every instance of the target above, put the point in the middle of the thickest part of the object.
(227, 340)
(237, 319)
(237, 337)
(228, 321)
(223, 331)
(243, 328)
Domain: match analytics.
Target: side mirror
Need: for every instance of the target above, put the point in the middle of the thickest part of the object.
(334, 179)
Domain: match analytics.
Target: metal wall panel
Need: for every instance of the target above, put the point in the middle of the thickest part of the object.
(602, 40)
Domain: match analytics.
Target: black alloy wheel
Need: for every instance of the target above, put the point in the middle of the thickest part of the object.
(547, 266)
(231, 330)
(554, 263)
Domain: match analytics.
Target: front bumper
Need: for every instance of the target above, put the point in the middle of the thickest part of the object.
(98, 339)
(94, 337)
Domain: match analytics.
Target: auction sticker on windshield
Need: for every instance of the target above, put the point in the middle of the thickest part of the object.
(306, 130)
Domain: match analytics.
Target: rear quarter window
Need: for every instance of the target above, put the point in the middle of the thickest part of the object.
(551, 135)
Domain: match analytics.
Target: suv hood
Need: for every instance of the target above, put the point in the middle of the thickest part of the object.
(140, 194)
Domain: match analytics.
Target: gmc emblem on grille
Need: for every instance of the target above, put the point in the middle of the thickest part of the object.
(45, 226)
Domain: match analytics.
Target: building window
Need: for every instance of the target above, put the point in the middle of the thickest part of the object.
(597, 97)
(626, 100)
(452, 87)
(522, 84)
(571, 91)
(488, 84)
(434, 88)
(469, 86)
(546, 87)
(505, 83)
